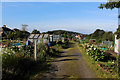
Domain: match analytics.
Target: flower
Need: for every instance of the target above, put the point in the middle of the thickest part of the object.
(113, 62)
(94, 48)
(90, 48)
(9, 53)
(92, 45)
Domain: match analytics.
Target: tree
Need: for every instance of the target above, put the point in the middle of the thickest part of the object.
(110, 36)
(19, 35)
(88, 36)
(9, 35)
(65, 34)
(98, 34)
(105, 36)
(110, 5)
(101, 35)
(35, 31)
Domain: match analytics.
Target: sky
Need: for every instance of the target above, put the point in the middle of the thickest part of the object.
(55, 0)
(82, 17)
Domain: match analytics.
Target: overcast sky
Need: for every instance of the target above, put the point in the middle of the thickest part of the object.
(83, 17)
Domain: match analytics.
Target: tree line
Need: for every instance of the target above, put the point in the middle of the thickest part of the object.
(101, 35)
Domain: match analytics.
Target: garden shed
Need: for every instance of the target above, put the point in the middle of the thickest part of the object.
(56, 38)
(117, 44)
(46, 38)
(36, 37)
(31, 38)
(40, 38)
(50, 38)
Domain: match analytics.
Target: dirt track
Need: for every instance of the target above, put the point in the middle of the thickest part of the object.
(70, 65)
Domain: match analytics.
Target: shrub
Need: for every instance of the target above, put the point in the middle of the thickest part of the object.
(27, 50)
(13, 66)
(53, 52)
(17, 62)
(43, 51)
(119, 66)
(97, 54)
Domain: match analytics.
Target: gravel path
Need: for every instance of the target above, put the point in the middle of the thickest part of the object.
(70, 65)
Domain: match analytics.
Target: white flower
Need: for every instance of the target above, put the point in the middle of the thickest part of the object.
(94, 48)
(93, 45)
(90, 48)
(113, 62)
(9, 53)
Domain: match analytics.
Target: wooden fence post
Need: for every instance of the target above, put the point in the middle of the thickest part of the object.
(35, 51)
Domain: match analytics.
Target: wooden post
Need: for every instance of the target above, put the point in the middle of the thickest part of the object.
(35, 50)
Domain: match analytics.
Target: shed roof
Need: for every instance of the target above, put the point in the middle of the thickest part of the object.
(36, 35)
(45, 36)
(32, 36)
(41, 36)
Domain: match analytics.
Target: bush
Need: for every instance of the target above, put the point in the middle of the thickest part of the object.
(97, 54)
(14, 66)
(53, 52)
(119, 66)
(43, 51)
(18, 62)
(27, 50)
(60, 42)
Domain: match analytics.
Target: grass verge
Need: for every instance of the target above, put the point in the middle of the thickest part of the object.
(93, 65)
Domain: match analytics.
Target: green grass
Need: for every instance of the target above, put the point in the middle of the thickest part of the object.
(93, 65)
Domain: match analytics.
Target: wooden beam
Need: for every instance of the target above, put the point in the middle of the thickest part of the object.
(35, 51)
